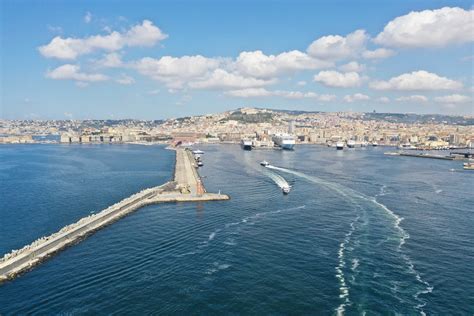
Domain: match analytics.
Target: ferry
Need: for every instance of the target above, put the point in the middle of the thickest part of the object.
(339, 145)
(264, 163)
(284, 141)
(246, 144)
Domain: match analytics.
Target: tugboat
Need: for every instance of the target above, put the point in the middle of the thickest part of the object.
(264, 163)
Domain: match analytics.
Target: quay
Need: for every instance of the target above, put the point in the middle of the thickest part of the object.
(420, 155)
(186, 186)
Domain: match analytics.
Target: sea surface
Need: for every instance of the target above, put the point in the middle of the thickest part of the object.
(359, 233)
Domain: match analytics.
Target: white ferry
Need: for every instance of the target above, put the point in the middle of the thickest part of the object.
(284, 141)
(246, 144)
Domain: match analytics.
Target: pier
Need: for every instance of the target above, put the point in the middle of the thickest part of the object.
(186, 186)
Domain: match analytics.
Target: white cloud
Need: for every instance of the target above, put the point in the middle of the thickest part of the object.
(145, 34)
(336, 79)
(378, 53)
(353, 66)
(176, 71)
(413, 98)
(88, 17)
(72, 72)
(257, 64)
(417, 81)
(383, 100)
(111, 60)
(356, 97)
(249, 93)
(125, 80)
(429, 28)
(222, 79)
(335, 47)
(301, 83)
(262, 92)
(453, 98)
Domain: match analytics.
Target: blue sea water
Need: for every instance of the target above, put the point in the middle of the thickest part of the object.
(359, 233)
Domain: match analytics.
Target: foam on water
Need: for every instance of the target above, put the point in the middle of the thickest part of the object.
(279, 180)
(403, 235)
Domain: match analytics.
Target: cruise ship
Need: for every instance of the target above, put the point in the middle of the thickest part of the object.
(284, 141)
(246, 144)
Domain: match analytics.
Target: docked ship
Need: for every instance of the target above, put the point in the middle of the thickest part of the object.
(284, 141)
(339, 145)
(351, 143)
(246, 144)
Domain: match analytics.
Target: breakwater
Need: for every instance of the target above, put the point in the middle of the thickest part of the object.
(186, 186)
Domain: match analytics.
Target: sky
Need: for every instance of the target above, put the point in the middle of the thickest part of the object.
(114, 59)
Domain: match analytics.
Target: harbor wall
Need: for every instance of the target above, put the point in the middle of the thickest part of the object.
(18, 261)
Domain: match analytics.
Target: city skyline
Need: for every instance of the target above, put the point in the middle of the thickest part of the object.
(160, 60)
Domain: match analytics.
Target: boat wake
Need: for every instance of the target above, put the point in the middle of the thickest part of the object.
(279, 180)
(357, 197)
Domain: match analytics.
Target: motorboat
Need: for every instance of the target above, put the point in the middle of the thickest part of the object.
(264, 163)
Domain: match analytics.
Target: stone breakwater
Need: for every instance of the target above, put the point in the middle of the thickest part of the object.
(17, 261)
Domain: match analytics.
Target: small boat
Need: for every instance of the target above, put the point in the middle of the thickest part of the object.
(339, 145)
(286, 189)
(374, 144)
(198, 152)
(468, 166)
(200, 163)
(351, 144)
(264, 163)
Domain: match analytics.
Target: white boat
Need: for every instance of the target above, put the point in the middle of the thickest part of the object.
(246, 144)
(264, 163)
(198, 152)
(284, 141)
(286, 189)
(351, 143)
(339, 145)
(200, 163)
(375, 144)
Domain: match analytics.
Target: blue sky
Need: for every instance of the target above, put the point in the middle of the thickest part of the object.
(152, 59)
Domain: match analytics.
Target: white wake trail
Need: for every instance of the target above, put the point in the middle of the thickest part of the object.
(279, 180)
(355, 196)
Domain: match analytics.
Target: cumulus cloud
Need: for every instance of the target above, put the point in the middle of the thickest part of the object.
(175, 71)
(378, 53)
(336, 47)
(331, 78)
(262, 92)
(453, 98)
(111, 60)
(417, 80)
(356, 97)
(353, 66)
(72, 72)
(413, 98)
(429, 28)
(144, 34)
(222, 79)
(257, 64)
(125, 80)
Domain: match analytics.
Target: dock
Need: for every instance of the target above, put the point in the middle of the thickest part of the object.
(186, 186)
(419, 155)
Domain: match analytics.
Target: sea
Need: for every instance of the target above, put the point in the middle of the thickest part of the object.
(360, 233)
